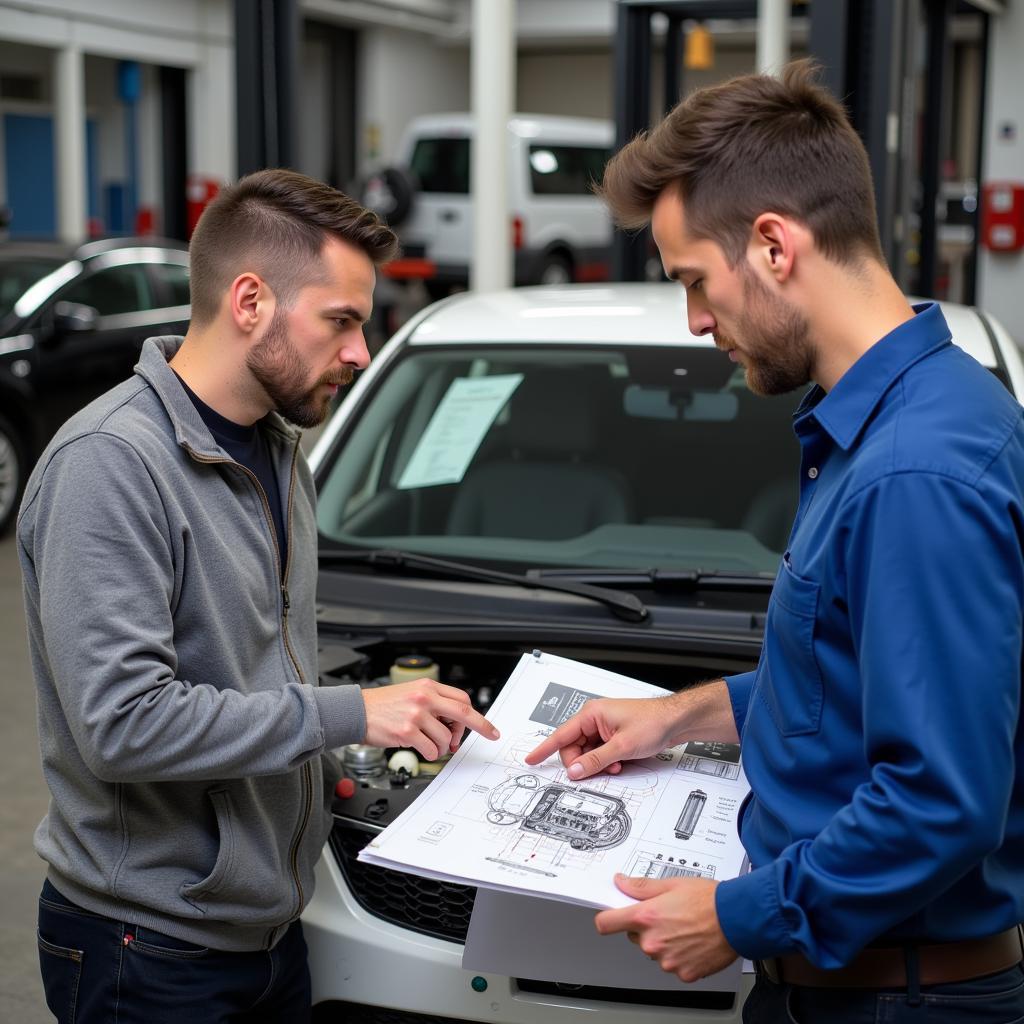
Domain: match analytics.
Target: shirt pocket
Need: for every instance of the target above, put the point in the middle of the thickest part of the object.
(789, 681)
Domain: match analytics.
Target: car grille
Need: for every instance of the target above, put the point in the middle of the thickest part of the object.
(440, 909)
(443, 909)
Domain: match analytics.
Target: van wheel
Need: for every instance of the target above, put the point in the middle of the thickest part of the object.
(13, 471)
(555, 270)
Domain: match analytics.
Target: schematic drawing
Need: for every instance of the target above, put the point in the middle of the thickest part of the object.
(690, 814)
(651, 865)
(583, 818)
(559, 704)
(719, 760)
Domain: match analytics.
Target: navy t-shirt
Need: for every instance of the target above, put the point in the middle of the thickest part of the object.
(249, 447)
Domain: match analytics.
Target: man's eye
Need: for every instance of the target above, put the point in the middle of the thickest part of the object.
(341, 321)
(696, 286)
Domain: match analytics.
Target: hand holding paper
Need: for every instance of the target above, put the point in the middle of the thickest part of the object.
(675, 923)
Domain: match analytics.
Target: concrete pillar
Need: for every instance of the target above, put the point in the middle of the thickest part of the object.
(772, 35)
(69, 149)
(492, 86)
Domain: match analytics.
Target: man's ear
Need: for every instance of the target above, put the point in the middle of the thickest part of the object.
(773, 245)
(250, 301)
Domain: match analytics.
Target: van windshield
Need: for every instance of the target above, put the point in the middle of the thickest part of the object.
(560, 455)
(442, 165)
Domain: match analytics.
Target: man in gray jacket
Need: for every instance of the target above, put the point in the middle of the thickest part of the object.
(169, 548)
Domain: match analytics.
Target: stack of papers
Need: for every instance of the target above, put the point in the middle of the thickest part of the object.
(492, 821)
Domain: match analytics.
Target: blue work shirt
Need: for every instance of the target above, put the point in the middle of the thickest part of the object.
(881, 730)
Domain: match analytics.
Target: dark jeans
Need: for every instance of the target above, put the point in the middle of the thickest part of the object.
(99, 970)
(995, 999)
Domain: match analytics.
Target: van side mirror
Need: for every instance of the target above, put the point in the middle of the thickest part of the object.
(72, 317)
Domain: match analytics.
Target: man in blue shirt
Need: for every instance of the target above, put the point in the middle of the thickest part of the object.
(882, 730)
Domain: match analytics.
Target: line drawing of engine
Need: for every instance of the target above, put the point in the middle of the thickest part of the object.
(690, 815)
(583, 818)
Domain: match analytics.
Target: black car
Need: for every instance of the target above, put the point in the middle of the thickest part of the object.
(72, 322)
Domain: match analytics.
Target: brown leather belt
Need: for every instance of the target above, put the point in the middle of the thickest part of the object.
(886, 967)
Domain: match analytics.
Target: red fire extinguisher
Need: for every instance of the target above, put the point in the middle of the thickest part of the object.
(200, 191)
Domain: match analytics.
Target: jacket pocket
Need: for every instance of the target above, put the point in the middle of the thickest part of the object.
(208, 886)
(789, 681)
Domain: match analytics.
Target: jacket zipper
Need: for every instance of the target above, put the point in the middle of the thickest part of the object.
(282, 578)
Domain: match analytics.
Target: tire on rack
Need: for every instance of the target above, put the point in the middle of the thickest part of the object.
(390, 193)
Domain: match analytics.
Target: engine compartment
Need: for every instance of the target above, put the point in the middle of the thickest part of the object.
(481, 671)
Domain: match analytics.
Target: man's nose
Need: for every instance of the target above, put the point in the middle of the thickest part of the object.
(356, 353)
(699, 317)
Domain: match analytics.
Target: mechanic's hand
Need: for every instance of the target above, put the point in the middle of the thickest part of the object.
(607, 732)
(675, 923)
(423, 714)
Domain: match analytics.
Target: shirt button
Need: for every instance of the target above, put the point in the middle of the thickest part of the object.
(813, 472)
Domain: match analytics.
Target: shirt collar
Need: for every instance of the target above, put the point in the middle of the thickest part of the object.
(844, 411)
(189, 428)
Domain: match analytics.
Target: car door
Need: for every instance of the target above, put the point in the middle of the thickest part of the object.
(93, 329)
(439, 227)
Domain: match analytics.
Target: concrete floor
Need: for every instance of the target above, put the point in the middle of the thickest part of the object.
(23, 803)
(21, 807)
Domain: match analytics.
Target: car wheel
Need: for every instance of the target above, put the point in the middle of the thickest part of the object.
(555, 270)
(13, 471)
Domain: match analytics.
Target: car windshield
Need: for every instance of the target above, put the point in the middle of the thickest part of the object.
(18, 275)
(638, 456)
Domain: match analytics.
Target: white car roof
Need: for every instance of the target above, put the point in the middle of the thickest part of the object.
(620, 314)
(585, 314)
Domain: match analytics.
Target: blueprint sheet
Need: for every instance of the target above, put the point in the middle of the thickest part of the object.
(490, 820)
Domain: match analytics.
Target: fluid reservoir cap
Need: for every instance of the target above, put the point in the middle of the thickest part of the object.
(413, 666)
(345, 788)
(406, 759)
(417, 661)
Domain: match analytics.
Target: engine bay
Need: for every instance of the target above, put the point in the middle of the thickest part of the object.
(379, 783)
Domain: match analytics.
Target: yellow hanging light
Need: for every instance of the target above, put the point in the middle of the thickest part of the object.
(700, 49)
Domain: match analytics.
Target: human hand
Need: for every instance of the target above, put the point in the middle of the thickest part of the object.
(675, 923)
(423, 714)
(607, 732)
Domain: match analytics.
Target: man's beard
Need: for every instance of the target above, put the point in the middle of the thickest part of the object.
(777, 349)
(279, 368)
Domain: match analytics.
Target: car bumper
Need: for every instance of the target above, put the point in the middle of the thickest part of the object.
(356, 958)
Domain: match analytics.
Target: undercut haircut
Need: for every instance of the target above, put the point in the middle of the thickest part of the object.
(753, 145)
(275, 223)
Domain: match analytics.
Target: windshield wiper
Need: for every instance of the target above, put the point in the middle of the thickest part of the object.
(626, 606)
(686, 580)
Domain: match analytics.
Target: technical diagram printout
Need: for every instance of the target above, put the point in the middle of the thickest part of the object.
(491, 820)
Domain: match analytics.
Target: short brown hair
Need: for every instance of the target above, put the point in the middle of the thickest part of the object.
(275, 223)
(747, 146)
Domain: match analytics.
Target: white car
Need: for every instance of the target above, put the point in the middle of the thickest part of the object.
(558, 468)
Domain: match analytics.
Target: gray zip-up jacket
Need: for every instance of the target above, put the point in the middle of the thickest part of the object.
(180, 721)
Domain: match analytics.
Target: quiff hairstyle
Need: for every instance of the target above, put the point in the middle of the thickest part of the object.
(753, 145)
(275, 223)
